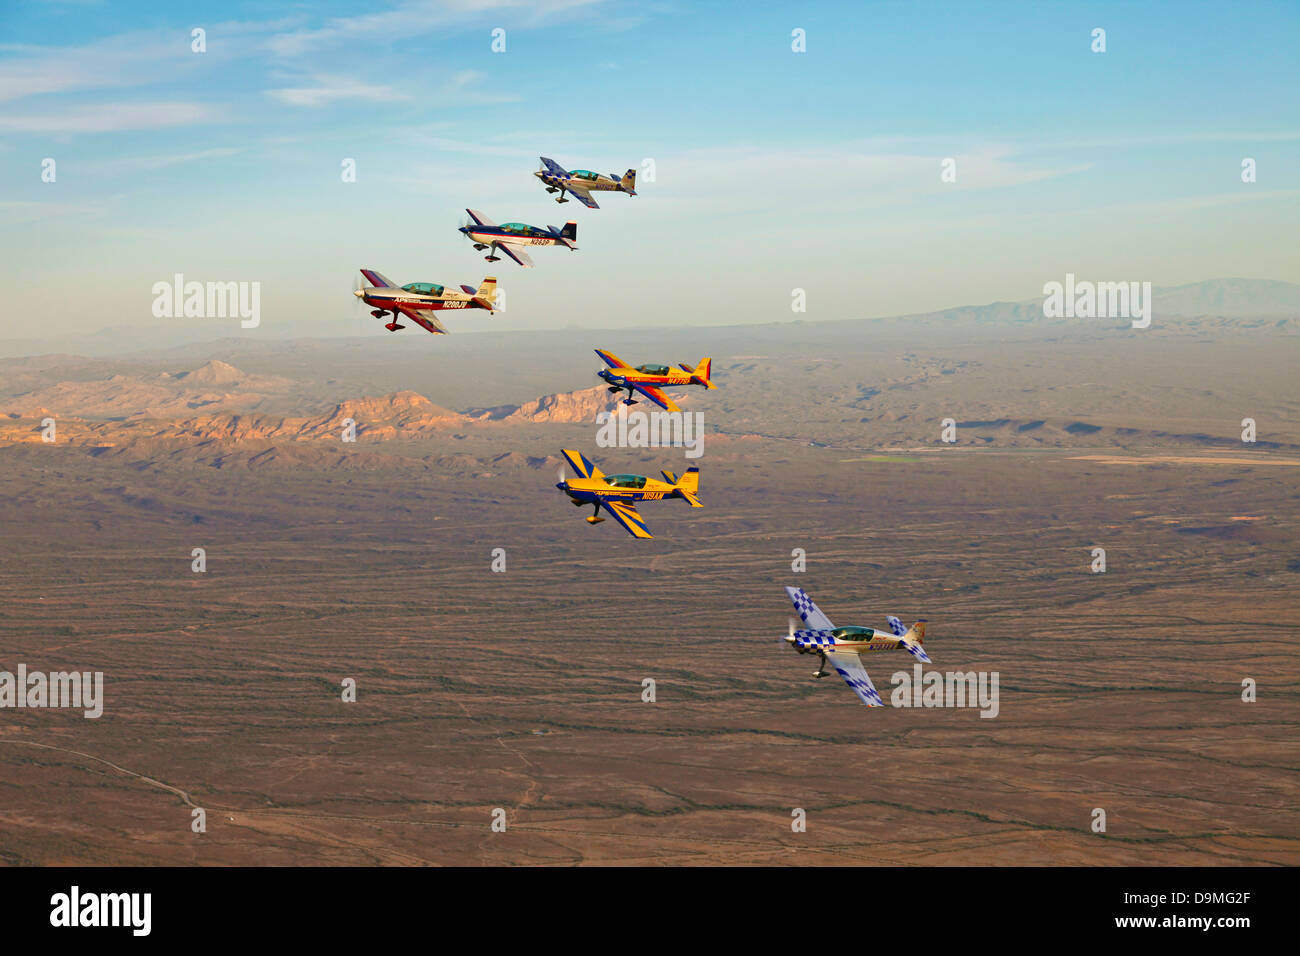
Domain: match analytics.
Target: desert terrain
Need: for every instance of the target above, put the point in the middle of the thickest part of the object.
(521, 691)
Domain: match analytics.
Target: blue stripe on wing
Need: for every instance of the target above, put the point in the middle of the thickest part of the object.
(627, 515)
(578, 461)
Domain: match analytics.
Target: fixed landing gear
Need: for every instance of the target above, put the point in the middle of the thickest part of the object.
(479, 246)
(821, 669)
(629, 400)
(393, 326)
(595, 517)
(551, 189)
(492, 258)
(378, 313)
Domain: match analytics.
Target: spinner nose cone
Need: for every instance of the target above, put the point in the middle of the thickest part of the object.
(562, 485)
(359, 293)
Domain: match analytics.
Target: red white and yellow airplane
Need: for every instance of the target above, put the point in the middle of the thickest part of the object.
(843, 646)
(419, 300)
(618, 494)
(646, 378)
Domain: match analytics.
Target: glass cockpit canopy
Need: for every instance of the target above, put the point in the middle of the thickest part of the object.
(853, 633)
(625, 481)
(424, 288)
(583, 174)
(521, 229)
(653, 369)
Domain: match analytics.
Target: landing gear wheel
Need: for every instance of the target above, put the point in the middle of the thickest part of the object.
(821, 670)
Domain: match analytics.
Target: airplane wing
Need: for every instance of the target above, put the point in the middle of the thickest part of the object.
(518, 255)
(810, 612)
(849, 666)
(916, 650)
(626, 514)
(895, 625)
(479, 218)
(582, 196)
(610, 359)
(578, 461)
(423, 320)
(554, 168)
(378, 279)
(657, 396)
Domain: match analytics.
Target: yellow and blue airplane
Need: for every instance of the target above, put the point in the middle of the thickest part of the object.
(843, 646)
(618, 494)
(646, 379)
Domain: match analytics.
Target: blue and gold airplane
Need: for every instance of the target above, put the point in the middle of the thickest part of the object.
(844, 645)
(618, 494)
(647, 379)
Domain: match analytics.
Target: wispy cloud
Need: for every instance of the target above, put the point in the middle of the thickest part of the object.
(131, 165)
(108, 118)
(419, 17)
(327, 89)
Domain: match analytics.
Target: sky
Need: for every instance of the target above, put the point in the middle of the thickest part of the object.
(761, 170)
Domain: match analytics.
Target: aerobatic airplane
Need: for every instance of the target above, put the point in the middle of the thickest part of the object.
(618, 494)
(646, 378)
(583, 182)
(485, 233)
(842, 646)
(418, 300)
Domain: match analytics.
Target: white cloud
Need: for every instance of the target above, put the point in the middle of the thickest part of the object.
(419, 17)
(331, 89)
(108, 118)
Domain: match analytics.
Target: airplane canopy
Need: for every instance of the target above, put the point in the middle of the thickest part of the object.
(853, 633)
(625, 481)
(425, 288)
(583, 174)
(653, 369)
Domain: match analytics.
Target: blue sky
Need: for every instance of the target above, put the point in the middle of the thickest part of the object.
(773, 169)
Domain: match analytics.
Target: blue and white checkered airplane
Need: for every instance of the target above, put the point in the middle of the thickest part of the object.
(842, 647)
(581, 183)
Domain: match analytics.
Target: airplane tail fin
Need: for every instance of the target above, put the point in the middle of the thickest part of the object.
(913, 640)
(687, 486)
(700, 374)
(485, 296)
(628, 182)
(570, 231)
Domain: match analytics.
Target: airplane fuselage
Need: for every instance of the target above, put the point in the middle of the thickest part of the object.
(388, 299)
(625, 377)
(856, 639)
(599, 185)
(487, 235)
(596, 490)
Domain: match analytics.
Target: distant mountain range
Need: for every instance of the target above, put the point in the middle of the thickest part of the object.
(1229, 299)
(1219, 298)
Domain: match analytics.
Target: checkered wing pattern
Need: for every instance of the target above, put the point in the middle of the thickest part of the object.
(896, 626)
(916, 650)
(813, 639)
(849, 666)
(807, 610)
